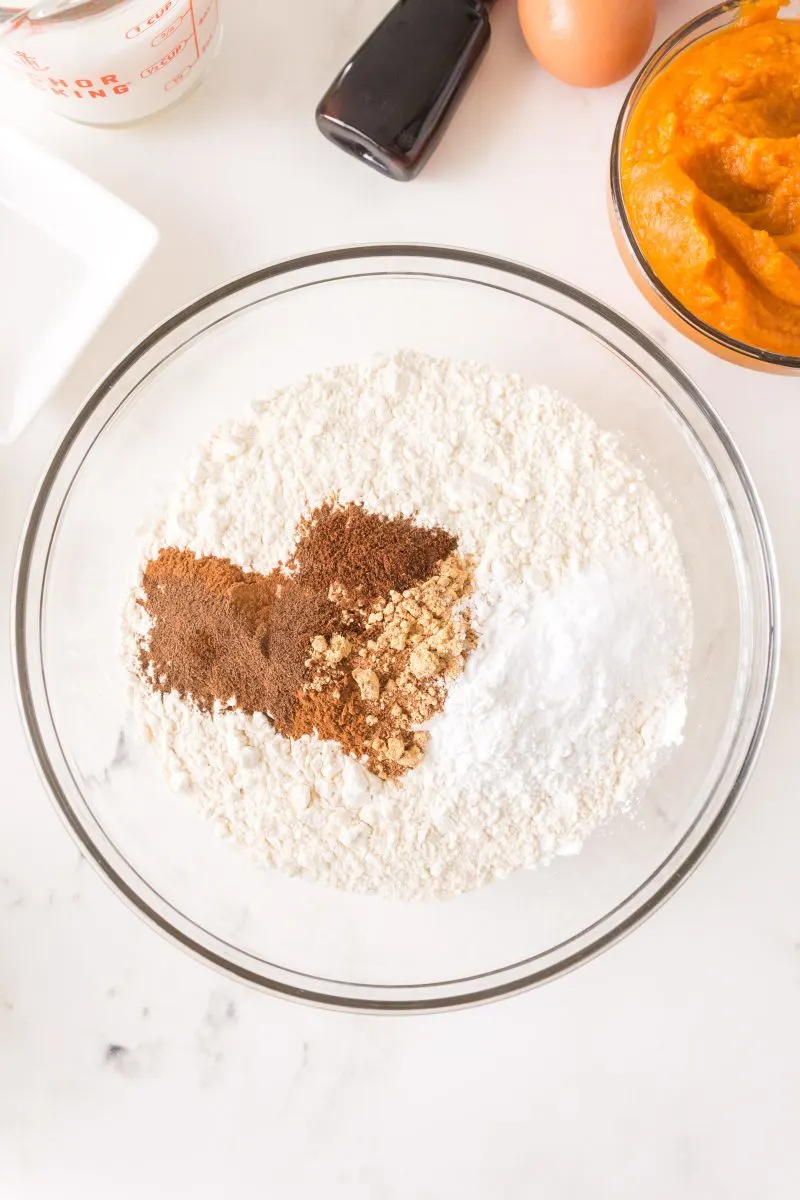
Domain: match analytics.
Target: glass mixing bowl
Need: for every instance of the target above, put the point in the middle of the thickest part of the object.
(708, 23)
(125, 450)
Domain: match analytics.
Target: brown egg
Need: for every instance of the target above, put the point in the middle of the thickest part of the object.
(589, 43)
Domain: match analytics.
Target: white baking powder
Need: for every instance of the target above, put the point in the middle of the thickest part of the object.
(577, 686)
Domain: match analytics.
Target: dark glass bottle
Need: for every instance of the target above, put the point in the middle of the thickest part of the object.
(392, 101)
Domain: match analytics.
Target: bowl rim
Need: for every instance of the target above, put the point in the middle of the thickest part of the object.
(662, 56)
(372, 998)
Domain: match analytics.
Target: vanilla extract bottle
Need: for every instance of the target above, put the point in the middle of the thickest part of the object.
(391, 103)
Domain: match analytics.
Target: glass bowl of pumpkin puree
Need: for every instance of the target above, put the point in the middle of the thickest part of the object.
(705, 181)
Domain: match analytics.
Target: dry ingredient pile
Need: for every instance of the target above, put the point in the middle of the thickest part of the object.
(408, 626)
(353, 640)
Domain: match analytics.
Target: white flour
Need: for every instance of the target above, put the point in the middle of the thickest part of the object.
(578, 682)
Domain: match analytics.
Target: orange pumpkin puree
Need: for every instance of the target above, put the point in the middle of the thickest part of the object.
(710, 173)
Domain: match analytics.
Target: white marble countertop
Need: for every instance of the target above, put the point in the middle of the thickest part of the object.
(667, 1068)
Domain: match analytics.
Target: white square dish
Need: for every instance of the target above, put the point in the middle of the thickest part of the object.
(68, 249)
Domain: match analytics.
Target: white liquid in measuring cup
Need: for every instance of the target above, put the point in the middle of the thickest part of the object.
(109, 64)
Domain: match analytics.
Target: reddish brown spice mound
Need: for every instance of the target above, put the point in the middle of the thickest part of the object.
(353, 639)
(221, 633)
(362, 555)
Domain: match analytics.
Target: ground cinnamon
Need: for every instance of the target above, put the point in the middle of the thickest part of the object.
(220, 633)
(352, 639)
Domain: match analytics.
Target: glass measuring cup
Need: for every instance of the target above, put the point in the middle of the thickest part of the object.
(109, 62)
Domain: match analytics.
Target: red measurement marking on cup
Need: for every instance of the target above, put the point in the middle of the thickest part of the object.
(29, 60)
(194, 28)
(166, 60)
(205, 15)
(168, 32)
(150, 21)
(213, 5)
(173, 83)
